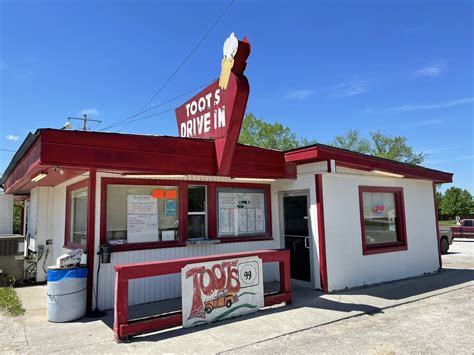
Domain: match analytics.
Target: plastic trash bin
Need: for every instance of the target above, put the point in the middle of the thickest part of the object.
(67, 294)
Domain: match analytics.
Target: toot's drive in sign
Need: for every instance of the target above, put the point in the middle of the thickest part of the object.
(218, 110)
(219, 290)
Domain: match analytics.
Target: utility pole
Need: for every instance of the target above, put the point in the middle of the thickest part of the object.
(84, 119)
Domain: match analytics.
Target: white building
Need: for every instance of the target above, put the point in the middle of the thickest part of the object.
(349, 219)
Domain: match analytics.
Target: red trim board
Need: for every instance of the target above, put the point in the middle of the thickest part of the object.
(438, 241)
(321, 233)
(91, 236)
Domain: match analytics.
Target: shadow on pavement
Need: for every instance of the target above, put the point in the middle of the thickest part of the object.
(308, 298)
(399, 290)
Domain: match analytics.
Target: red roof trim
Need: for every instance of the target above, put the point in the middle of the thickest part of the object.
(130, 153)
(361, 161)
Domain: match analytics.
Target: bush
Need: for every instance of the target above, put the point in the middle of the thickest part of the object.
(10, 302)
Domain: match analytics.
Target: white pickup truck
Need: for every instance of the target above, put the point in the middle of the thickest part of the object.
(445, 238)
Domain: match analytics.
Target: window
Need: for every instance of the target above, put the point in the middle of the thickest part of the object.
(76, 215)
(382, 219)
(139, 214)
(468, 223)
(197, 221)
(142, 213)
(241, 212)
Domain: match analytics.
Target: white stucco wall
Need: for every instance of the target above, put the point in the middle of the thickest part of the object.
(46, 221)
(347, 266)
(6, 213)
(41, 226)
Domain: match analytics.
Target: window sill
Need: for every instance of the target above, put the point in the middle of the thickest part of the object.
(144, 246)
(257, 238)
(202, 241)
(384, 249)
(75, 246)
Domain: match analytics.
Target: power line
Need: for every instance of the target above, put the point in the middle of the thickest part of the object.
(8, 150)
(193, 50)
(154, 114)
(122, 122)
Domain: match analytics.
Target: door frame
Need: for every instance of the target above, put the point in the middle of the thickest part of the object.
(312, 246)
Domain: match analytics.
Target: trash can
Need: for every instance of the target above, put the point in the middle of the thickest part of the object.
(67, 294)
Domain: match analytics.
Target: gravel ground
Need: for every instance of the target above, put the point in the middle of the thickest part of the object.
(442, 324)
(429, 314)
(460, 255)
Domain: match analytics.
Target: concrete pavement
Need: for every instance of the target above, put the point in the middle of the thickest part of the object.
(310, 310)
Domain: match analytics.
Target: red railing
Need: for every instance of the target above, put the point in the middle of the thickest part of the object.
(123, 327)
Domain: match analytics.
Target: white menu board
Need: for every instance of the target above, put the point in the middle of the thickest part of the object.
(241, 212)
(142, 219)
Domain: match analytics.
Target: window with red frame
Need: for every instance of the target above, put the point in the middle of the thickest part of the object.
(76, 215)
(142, 213)
(382, 219)
(241, 212)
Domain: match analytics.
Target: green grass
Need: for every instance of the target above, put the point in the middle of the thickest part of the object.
(448, 223)
(10, 302)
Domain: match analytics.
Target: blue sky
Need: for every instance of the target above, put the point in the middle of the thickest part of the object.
(321, 68)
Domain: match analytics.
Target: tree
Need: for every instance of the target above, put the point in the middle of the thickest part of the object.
(380, 145)
(352, 141)
(456, 202)
(259, 133)
(439, 201)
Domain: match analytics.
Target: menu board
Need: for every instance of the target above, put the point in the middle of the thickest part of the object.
(142, 219)
(241, 212)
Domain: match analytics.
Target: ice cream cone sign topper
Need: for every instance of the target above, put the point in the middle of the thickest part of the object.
(230, 49)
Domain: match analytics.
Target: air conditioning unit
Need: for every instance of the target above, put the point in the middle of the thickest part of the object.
(11, 256)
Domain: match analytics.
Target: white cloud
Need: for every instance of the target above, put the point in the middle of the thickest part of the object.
(300, 94)
(452, 160)
(11, 137)
(467, 157)
(431, 71)
(416, 107)
(350, 88)
(426, 123)
(90, 111)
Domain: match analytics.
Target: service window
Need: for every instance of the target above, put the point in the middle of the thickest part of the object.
(382, 219)
(197, 212)
(241, 212)
(142, 213)
(76, 215)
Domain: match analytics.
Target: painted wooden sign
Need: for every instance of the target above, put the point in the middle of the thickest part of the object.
(219, 290)
(218, 110)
